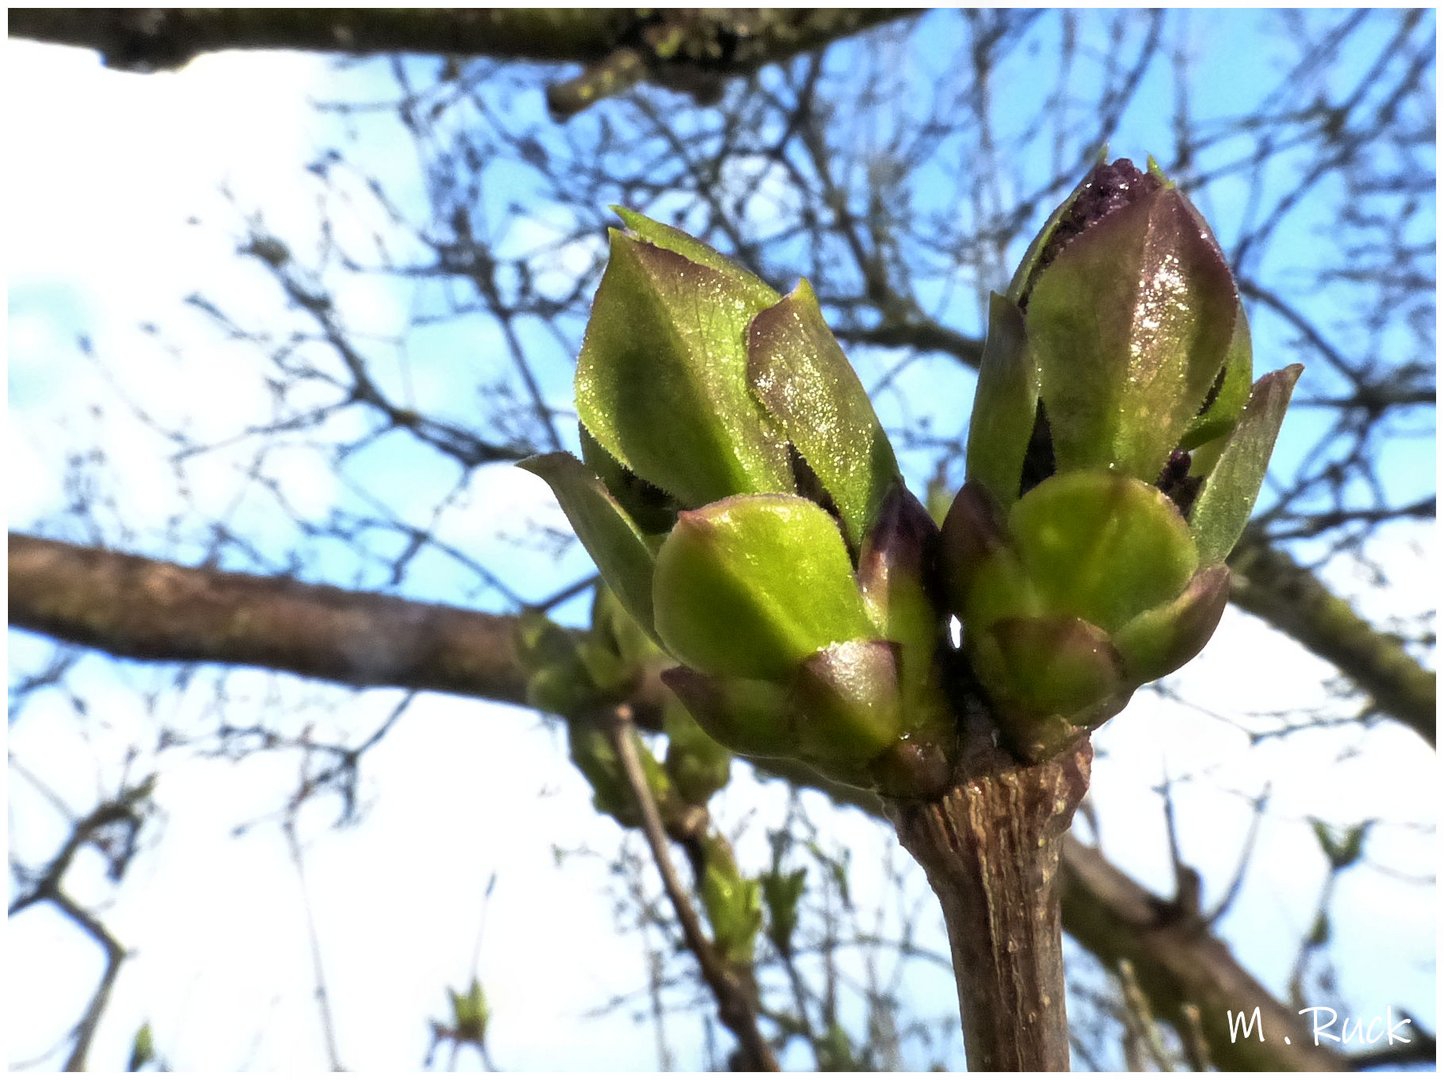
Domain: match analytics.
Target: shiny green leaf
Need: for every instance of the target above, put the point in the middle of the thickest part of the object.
(611, 538)
(1004, 406)
(973, 531)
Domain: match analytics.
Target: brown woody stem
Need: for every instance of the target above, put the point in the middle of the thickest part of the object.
(990, 847)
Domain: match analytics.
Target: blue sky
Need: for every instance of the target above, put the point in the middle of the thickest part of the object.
(103, 245)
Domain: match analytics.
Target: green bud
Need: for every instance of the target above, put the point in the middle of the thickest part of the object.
(782, 893)
(557, 677)
(697, 764)
(1130, 325)
(739, 495)
(1114, 457)
(471, 1014)
(142, 1048)
(595, 757)
(733, 905)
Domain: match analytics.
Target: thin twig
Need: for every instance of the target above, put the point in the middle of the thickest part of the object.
(114, 955)
(734, 1007)
(323, 998)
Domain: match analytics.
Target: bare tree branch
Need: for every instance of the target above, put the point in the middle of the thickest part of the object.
(150, 610)
(1270, 584)
(131, 606)
(1176, 962)
(619, 46)
(142, 608)
(734, 1008)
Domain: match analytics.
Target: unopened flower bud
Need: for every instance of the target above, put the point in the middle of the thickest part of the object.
(1114, 456)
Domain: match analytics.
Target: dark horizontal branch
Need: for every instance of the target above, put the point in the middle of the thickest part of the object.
(923, 335)
(148, 610)
(145, 609)
(724, 41)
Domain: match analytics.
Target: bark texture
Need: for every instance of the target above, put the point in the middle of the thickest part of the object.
(991, 848)
(729, 41)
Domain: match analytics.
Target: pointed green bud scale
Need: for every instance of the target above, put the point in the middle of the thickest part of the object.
(974, 530)
(804, 382)
(1050, 666)
(611, 538)
(1165, 638)
(1004, 406)
(1130, 325)
(894, 572)
(1102, 547)
(652, 510)
(1223, 507)
(752, 288)
(753, 585)
(1221, 410)
(748, 716)
(846, 702)
(891, 569)
(662, 377)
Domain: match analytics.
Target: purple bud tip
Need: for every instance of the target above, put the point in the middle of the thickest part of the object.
(1175, 482)
(1105, 191)
(900, 538)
